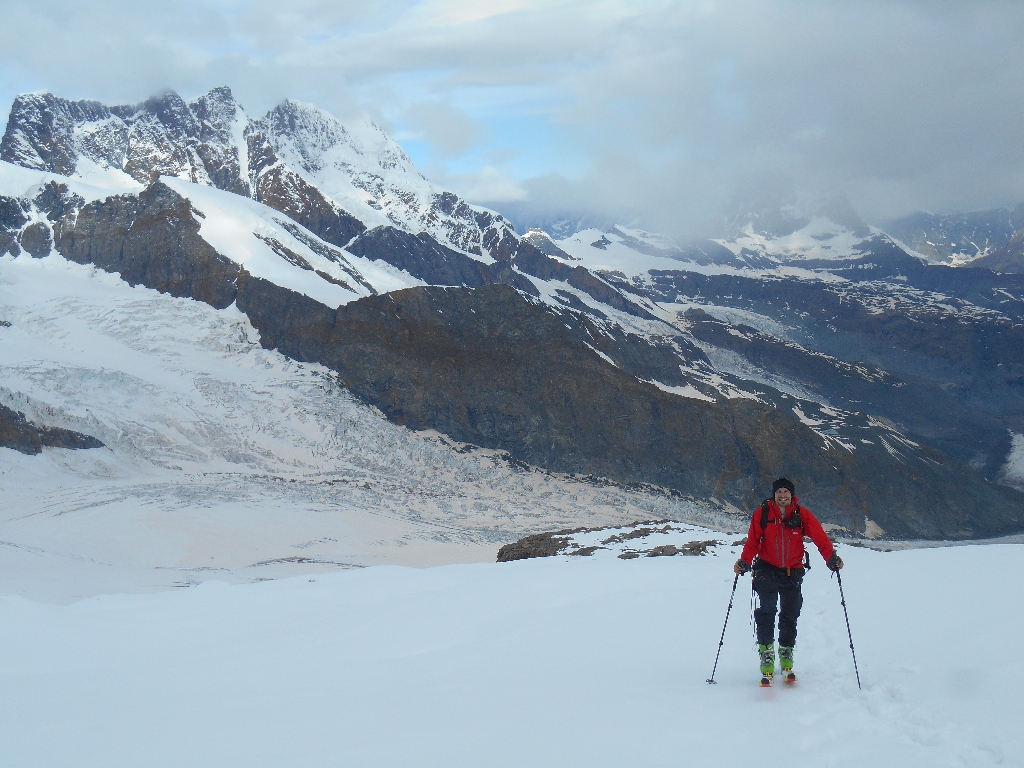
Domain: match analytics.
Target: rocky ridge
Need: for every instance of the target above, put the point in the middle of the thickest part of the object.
(296, 159)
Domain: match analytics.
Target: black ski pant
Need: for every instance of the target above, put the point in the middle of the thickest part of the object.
(774, 586)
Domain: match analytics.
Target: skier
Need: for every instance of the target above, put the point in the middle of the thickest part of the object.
(776, 539)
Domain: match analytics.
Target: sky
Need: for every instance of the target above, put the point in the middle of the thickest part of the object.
(662, 115)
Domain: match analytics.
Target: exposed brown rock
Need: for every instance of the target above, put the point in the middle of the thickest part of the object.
(286, 191)
(25, 437)
(37, 240)
(537, 545)
(152, 240)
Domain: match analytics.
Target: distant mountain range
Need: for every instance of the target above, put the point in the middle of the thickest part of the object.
(888, 383)
(990, 239)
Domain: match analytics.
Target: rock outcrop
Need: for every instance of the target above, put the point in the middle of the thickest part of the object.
(153, 240)
(25, 437)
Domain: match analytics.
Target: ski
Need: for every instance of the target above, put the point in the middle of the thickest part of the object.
(766, 681)
(789, 678)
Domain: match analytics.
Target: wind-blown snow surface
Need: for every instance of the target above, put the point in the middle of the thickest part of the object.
(225, 460)
(562, 661)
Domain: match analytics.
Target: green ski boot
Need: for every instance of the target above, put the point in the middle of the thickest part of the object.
(786, 662)
(767, 654)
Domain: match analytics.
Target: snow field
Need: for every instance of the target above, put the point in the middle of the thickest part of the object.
(560, 661)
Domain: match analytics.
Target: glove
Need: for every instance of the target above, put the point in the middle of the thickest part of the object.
(741, 567)
(835, 562)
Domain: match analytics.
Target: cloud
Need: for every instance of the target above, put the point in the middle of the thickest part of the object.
(448, 129)
(488, 186)
(656, 113)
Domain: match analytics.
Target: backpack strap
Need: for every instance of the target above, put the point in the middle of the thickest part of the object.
(764, 525)
(764, 516)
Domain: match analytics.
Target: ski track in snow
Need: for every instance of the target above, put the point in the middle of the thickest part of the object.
(227, 460)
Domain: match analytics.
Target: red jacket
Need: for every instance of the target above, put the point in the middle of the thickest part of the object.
(781, 546)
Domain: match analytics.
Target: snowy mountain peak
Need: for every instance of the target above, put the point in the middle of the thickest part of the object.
(361, 168)
(40, 131)
(161, 136)
(297, 158)
(312, 139)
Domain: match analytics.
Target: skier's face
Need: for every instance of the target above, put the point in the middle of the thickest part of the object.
(783, 498)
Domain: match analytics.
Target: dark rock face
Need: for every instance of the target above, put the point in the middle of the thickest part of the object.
(531, 260)
(151, 240)
(488, 367)
(1008, 258)
(163, 135)
(540, 240)
(216, 113)
(421, 256)
(37, 240)
(9, 244)
(18, 433)
(12, 213)
(56, 200)
(957, 381)
(40, 131)
(12, 218)
(927, 411)
(287, 192)
(426, 259)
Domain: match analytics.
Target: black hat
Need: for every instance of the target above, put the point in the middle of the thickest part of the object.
(783, 483)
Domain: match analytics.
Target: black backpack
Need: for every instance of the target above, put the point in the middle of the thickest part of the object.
(793, 521)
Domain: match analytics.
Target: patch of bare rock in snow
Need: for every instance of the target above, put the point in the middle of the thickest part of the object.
(652, 538)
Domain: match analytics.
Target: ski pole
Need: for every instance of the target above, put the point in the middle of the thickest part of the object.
(849, 634)
(721, 640)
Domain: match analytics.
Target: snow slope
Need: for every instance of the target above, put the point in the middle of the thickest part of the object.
(611, 252)
(634, 253)
(225, 460)
(264, 241)
(563, 661)
(246, 231)
(16, 181)
(821, 238)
